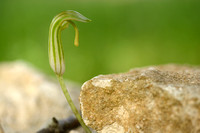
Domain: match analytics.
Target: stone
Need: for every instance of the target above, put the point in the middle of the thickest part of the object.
(29, 98)
(1, 129)
(156, 99)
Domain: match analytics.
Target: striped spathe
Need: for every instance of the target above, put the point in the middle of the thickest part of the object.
(56, 52)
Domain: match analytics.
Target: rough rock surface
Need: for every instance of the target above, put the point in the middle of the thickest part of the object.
(161, 99)
(29, 99)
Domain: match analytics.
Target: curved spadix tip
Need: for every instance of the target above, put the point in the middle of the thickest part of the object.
(74, 15)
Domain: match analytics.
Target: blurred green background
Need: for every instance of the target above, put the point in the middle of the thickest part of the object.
(122, 35)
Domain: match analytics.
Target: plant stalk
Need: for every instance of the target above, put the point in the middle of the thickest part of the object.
(71, 104)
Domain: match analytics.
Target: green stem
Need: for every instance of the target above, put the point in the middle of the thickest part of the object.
(71, 104)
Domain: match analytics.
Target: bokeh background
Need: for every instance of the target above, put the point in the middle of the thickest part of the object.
(123, 34)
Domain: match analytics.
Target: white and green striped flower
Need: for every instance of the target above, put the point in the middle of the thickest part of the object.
(56, 55)
(60, 22)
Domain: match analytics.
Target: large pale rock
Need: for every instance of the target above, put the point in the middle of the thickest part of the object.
(162, 99)
(29, 99)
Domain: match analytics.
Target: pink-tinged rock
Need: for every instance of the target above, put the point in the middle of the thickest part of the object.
(158, 99)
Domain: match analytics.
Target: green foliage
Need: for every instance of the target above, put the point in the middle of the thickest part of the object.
(121, 36)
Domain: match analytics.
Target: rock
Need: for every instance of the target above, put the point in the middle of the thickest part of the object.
(29, 99)
(1, 129)
(160, 99)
